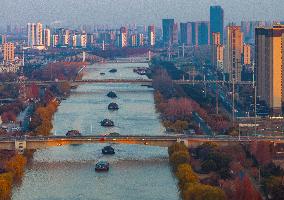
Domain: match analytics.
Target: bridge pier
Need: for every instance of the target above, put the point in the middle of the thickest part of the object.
(183, 141)
(20, 146)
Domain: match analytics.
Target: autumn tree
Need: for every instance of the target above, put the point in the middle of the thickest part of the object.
(274, 187)
(262, 152)
(177, 147)
(186, 176)
(178, 158)
(16, 166)
(203, 192)
(6, 180)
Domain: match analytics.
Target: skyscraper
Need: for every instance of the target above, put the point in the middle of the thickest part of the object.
(140, 39)
(175, 34)
(9, 52)
(39, 34)
(31, 27)
(203, 33)
(168, 30)
(217, 52)
(123, 37)
(269, 66)
(217, 21)
(133, 40)
(247, 54)
(233, 53)
(186, 33)
(55, 40)
(47, 37)
(3, 39)
(151, 35)
(194, 28)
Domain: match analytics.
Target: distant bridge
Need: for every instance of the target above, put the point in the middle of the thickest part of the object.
(38, 142)
(139, 81)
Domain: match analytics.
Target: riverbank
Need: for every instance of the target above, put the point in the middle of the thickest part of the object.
(42, 104)
(184, 108)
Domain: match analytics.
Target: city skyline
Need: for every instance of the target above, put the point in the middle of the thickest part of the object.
(145, 12)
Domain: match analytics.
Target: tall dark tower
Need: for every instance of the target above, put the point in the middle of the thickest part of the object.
(168, 31)
(217, 22)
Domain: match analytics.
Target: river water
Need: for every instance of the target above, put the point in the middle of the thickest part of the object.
(136, 172)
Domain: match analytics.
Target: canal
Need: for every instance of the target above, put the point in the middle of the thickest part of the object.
(136, 172)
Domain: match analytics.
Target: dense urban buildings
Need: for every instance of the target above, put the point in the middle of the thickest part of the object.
(233, 53)
(269, 66)
(217, 21)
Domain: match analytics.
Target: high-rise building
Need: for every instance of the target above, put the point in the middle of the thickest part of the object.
(47, 37)
(39, 34)
(203, 33)
(140, 39)
(9, 52)
(217, 21)
(233, 53)
(269, 58)
(194, 28)
(217, 51)
(3, 39)
(83, 40)
(186, 33)
(246, 54)
(90, 40)
(248, 29)
(168, 30)
(73, 42)
(175, 34)
(31, 27)
(123, 37)
(55, 40)
(133, 40)
(151, 35)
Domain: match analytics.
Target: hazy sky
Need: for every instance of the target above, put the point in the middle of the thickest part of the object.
(118, 12)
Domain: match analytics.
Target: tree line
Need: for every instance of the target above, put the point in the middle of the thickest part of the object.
(188, 181)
